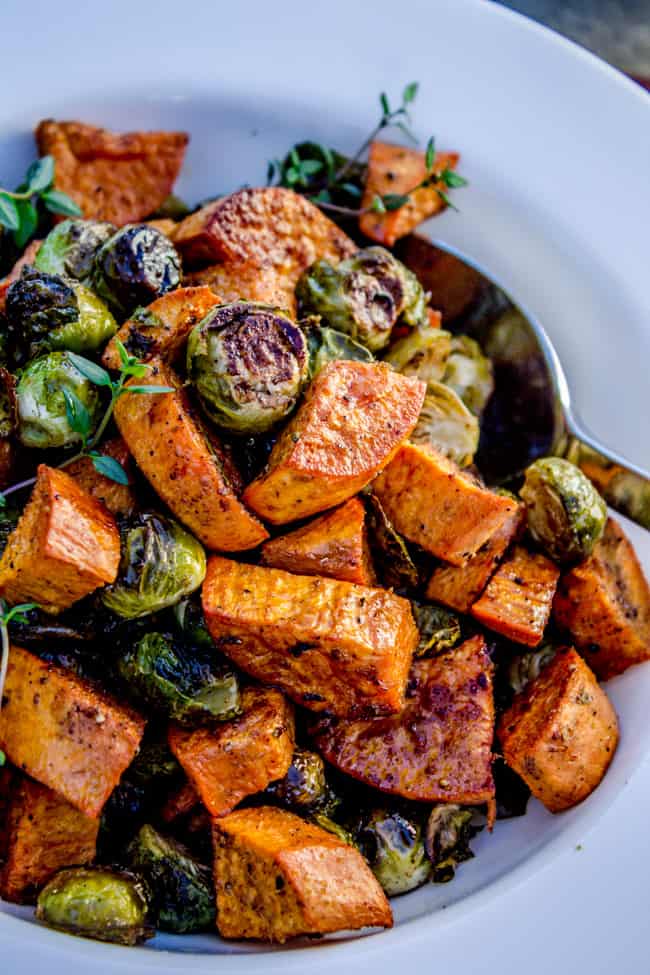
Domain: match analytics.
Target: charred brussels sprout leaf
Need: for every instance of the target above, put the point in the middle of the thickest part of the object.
(44, 392)
(185, 683)
(304, 786)
(393, 844)
(448, 833)
(327, 345)
(190, 622)
(391, 557)
(69, 249)
(446, 424)
(566, 514)
(526, 667)
(320, 818)
(182, 890)
(94, 902)
(160, 564)
(364, 296)
(439, 629)
(512, 793)
(469, 373)
(248, 363)
(135, 266)
(423, 353)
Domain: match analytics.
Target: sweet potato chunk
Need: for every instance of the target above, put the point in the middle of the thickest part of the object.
(235, 759)
(277, 877)
(173, 452)
(180, 803)
(604, 603)
(161, 330)
(560, 733)
(518, 599)
(454, 286)
(116, 177)
(267, 227)
(439, 747)
(65, 545)
(458, 586)
(334, 545)
(7, 777)
(249, 282)
(431, 502)
(329, 645)
(165, 225)
(350, 424)
(44, 834)
(396, 170)
(64, 733)
(118, 498)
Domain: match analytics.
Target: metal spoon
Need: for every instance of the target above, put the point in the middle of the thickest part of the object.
(530, 412)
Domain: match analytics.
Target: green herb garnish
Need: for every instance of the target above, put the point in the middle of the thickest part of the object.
(19, 209)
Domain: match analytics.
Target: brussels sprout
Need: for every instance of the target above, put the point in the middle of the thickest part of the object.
(248, 362)
(469, 373)
(154, 767)
(446, 424)
(160, 564)
(319, 818)
(449, 830)
(566, 514)
(94, 902)
(439, 629)
(422, 353)
(364, 296)
(9, 518)
(189, 620)
(391, 557)
(304, 785)
(171, 208)
(188, 684)
(7, 403)
(393, 844)
(69, 249)
(135, 266)
(512, 793)
(41, 403)
(525, 667)
(327, 345)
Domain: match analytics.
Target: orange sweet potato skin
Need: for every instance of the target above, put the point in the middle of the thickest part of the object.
(334, 545)
(329, 645)
(439, 748)
(65, 546)
(118, 498)
(431, 502)
(176, 312)
(277, 877)
(396, 169)
(353, 419)
(604, 604)
(64, 733)
(560, 733)
(170, 448)
(233, 760)
(116, 177)
(518, 599)
(44, 834)
(235, 281)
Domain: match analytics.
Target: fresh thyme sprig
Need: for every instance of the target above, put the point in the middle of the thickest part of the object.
(6, 616)
(19, 208)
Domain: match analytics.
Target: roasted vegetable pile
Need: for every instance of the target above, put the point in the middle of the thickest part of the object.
(272, 650)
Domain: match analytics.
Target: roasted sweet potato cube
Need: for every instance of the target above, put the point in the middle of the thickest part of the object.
(7, 777)
(329, 645)
(277, 877)
(266, 227)
(454, 286)
(116, 177)
(65, 733)
(235, 759)
(433, 503)
(439, 747)
(560, 733)
(65, 545)
(334, 545)
(458, 586)
(518, 598)
(44, 834)
(184, 465)
(396, 170)
(353, 419)
(118, 498)
(604, 604)
(161, 330)
(235, 281)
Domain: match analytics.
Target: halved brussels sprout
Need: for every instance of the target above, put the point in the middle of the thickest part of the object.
(525, 667)
(566, 514)
(135, 266)
(395, 567)
(469, 373)
(446, 424)
(182, 891)
(304, 785)
(186, 683)
(189, 620)
(160, 563)
(95, 902)
(248, 363)
(327, 345)
(448, 832)
(364, 296)
(69, 249)
(392, 842)
(423, 353)
(438, 627)
(41, 404)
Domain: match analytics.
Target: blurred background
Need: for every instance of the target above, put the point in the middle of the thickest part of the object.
(616, 30)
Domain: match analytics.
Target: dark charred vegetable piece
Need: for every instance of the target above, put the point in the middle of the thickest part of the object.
(512, 792)
(327, 345)
(181, 887)
(98, 903)
(134, 266)
(392, 842)
(42, 413)
(439, 629)
(304, 786)
(69, 249)
(448, 833)
(391, 557)
(189, 620)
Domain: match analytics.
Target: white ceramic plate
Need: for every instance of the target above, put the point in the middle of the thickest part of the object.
(557, 149)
